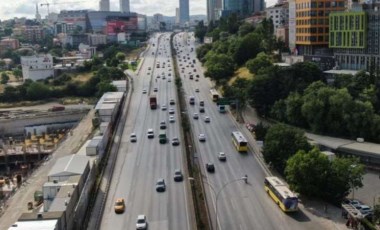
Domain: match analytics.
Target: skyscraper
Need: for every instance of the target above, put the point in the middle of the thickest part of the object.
(184, 11)
(104, 5)
(213, 9)
(38, 15)
(124, 6)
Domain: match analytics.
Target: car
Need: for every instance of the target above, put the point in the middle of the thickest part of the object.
(207, 119)
(133, 137)
(355, 203)
(172, 102)
(192, 66)
(160, 185)
(171, 111)
(178, 175)
(119, 205)
(210, 167)
(196, 79)
(149, 68)
(197, 90)
(197, 76)
(162, 125)
(171, 119)
(155, 89)
(202, 103)
(222, 156)
(202, 137)
(163, 77)
(144, 91)
(141, 222)
(148, 73)
(175, 141)
(150, 133)
(195, 116)
(201, 109)
(169, 74)
(169, 79)
(194, 70)
(365, 209)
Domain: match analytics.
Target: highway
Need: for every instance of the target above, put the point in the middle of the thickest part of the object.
(239, 205)
(139, 165)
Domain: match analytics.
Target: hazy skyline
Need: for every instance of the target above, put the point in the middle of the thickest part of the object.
(27, 8)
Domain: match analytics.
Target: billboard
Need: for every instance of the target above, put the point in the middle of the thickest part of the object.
(120, 25)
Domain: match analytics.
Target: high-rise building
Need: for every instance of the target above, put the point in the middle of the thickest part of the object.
(38, 15)
(354, 37)
(312, 24)
(213, 9)
(104, 5)
(177, 16)
(124, 6)
(184, 12)
(242, 7)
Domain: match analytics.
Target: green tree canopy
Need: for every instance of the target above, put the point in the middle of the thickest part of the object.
(37, 91)
(261, 61)
(282, 142)
(219, 67)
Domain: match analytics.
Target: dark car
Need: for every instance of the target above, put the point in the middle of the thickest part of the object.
(201, 109)
(178, 175)
(210, 167)
(160, 185)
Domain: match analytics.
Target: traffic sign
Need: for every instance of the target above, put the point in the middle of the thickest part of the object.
(224, 101)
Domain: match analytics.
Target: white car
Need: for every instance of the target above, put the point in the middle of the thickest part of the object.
(150, 133)
(171, 111)
(207, 119)
(141, 222)
(197, 90)
(133, 137)
(163, 107)
(171, 119)
(222, 156)
(144, 91)
(155, 89)
(169, 79)
(202, 137)
(195, 116)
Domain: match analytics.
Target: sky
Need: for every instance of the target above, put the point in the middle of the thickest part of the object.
(27, 8)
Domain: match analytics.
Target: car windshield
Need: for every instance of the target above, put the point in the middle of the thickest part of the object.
(140, 221)
(119, 203)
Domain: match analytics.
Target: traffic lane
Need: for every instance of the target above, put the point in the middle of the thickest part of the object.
(115, 191)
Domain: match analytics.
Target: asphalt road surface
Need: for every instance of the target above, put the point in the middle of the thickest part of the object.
(239, 205)
(140, 164)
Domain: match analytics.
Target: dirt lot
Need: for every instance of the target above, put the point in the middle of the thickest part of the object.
(243, 73)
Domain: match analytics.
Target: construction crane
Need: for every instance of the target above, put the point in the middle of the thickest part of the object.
(48, 4)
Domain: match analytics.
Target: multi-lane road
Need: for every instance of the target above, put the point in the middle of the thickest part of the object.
(139, 165)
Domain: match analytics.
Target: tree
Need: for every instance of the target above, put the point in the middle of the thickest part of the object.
(307, 173)
(4, 78)
(219, 66)
(200, 31)
(261, 61)
(104, 87)
(245, 29)
(120, 56)
(248, 48)
(202, 51)
(17, 73)
(37, 91)
(282, 142)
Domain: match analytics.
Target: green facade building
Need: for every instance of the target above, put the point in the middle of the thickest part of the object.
(348, 29)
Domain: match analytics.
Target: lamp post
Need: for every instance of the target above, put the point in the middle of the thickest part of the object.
(217, 193)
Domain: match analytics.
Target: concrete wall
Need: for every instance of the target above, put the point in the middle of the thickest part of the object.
(15, 126)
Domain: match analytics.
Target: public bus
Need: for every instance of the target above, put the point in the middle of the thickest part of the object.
(281, 194)
(214, 94)
(239, 141)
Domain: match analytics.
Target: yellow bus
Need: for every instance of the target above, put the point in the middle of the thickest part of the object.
(281, 194)
(214, 94)
(239, 141)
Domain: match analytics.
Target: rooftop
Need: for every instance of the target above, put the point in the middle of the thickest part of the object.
(73, 164)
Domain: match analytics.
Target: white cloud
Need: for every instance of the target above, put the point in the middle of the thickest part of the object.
(26, 8)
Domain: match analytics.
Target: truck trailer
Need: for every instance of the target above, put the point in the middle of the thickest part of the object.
(153, 102)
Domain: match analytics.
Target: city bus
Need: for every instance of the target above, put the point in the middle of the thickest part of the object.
(214, 94)
(162, 137)
(281, 194)
(239, 141)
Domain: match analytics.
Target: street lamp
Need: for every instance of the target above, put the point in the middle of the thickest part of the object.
(217, 193)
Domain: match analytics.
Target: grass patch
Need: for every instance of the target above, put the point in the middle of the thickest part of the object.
(242, 72)
(83, 77)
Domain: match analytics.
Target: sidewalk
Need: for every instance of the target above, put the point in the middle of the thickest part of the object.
(327, 214)
(17, 204)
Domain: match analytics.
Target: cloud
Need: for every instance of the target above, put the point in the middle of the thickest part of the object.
(26, 8)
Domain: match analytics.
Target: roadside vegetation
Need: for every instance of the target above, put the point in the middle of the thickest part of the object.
(298, 98)
(88, 82)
